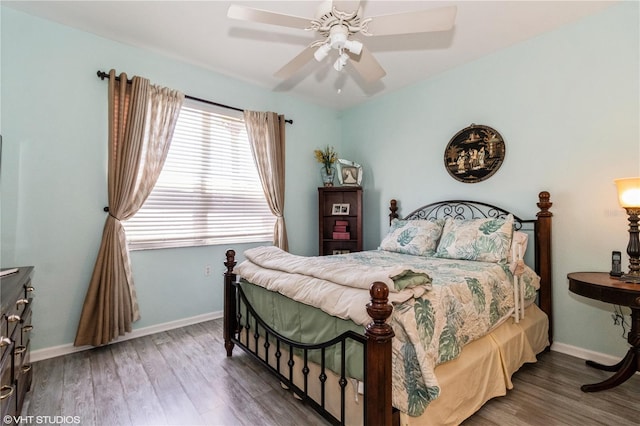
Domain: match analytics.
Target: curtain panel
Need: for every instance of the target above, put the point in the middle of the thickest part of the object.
(266, 132)
(142, 117)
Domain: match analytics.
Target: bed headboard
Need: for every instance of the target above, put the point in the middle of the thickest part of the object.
(461, 209)
(540, 227)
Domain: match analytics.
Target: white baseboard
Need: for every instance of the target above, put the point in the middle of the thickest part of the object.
(55, 351)
(61, 350)
(585, 354)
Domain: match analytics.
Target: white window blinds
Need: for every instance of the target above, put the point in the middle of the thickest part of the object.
(209, 191)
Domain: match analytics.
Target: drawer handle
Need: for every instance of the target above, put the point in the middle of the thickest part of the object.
(22, 302)
(26, 368)
(27, 328)
(19, 350)
(4, 341)
(29, 289)
(3, 392)
(13, 318)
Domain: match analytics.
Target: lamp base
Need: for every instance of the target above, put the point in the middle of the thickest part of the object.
(628, 278)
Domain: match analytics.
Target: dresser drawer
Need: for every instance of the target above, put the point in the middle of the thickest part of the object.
(25, 328)
(5, 340)
(15, 313)
(7, 387)
(16, 297)
(13, 319)
(25, 371)
(23, 374)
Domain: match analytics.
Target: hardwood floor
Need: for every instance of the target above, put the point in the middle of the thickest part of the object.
(548, 393)
(182, 377)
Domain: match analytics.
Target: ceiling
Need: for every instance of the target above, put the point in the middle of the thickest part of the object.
(199, 32)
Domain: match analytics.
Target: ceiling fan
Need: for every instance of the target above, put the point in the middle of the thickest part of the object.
(337, 21)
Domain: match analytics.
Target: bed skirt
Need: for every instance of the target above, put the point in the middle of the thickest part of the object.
(482, 371)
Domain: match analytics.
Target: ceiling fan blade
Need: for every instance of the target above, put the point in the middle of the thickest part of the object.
(367, 66)
(440, 19)
(296, 63)
(346, 5)
(264, 16)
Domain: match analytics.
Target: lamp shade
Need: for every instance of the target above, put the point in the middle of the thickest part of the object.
(628, 191)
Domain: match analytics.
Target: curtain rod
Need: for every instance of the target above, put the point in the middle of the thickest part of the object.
(104, 75)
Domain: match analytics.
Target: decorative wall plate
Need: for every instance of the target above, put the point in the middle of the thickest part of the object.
(474, 154)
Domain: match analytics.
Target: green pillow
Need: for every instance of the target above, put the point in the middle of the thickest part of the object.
(484, 240)
(416, 237)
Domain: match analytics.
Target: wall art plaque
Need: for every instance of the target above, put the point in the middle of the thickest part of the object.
(474, 154)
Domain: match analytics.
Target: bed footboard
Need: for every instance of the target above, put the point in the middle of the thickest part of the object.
(377, 343)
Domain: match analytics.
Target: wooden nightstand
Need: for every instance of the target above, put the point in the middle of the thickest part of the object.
(600, 286)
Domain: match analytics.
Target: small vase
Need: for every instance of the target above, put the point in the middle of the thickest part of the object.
(327, 175)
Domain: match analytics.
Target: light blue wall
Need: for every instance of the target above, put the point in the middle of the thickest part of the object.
(54, 130)
(567, 106)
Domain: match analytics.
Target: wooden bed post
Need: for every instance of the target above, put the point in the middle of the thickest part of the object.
(377, 387)
(230, 324)
(393, 206)
(543, 256)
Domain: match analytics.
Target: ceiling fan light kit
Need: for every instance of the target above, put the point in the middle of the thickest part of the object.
(322, 52)
(338, 40)
(336, 21)
(341, 62)
(353, 46)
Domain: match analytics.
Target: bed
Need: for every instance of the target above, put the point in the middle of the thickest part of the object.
(423, 330)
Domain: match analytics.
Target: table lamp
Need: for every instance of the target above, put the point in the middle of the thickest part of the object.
(629, 199)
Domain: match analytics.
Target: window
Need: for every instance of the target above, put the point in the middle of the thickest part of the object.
(208, 191)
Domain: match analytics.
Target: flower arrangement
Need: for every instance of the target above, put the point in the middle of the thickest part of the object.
(327, 157)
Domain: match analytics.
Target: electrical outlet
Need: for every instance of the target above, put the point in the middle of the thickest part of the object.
(207, 270)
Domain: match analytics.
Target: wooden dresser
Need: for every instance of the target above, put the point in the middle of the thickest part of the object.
(15, 329)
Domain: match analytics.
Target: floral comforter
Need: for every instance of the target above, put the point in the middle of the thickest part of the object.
(461, 302)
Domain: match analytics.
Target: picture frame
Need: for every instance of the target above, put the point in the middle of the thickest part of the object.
(474, 154)
(340, 252)
(340, 209)
(349, 173)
